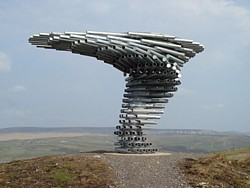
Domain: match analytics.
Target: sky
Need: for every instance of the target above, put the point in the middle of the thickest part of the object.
(49, 88)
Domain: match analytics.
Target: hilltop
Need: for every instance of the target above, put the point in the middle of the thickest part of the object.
(57, 171)
(224, 169)
(98, 169)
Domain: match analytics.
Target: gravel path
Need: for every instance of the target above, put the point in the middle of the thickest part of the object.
(148, 171)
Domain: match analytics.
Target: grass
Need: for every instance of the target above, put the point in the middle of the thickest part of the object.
(224, 169)
(239, 154)
(23, 149)
(220, 169)
(57, 171)
(200, 143)
(62, 177)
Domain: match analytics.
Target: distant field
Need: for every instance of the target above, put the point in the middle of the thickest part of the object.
(28, 136)
(22, 144)
(22, 149)
(200, 143)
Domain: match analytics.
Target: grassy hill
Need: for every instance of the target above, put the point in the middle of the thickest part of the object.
(57, 171)
(225, 169)
(30, 144)
(97, 130)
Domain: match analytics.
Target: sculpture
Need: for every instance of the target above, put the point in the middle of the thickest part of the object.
(152, 62)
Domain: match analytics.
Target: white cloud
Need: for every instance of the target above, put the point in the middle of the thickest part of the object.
(4, 62)
(17, 88)
(213, 106)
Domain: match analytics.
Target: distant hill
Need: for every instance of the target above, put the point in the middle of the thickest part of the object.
(193, 132)
(110, 130)
(96, 130)
(28, 142)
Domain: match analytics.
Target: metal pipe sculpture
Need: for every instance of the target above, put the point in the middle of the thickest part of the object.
(152, 62)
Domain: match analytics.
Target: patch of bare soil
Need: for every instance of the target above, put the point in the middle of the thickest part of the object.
(57, 171)
(217, 171)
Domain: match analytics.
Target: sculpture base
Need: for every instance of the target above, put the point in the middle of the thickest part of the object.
(136, 150)
(156, 154)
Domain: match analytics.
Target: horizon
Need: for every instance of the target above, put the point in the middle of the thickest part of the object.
(152, 128)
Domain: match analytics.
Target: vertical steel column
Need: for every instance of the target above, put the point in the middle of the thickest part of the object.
(143, 103)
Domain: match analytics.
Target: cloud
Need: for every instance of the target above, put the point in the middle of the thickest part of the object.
(213, 106)
(17, 89)
(4, 62)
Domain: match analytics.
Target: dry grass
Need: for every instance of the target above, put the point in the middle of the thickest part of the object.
(226, 169)
(57, 171)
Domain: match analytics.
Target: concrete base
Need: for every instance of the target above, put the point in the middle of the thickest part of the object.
(139, 155)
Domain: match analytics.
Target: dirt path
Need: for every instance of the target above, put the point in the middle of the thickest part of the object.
(148, 171)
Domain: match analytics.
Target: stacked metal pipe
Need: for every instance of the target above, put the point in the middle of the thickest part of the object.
(151, 63)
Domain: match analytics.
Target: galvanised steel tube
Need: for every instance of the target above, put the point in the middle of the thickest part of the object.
(153, 62)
